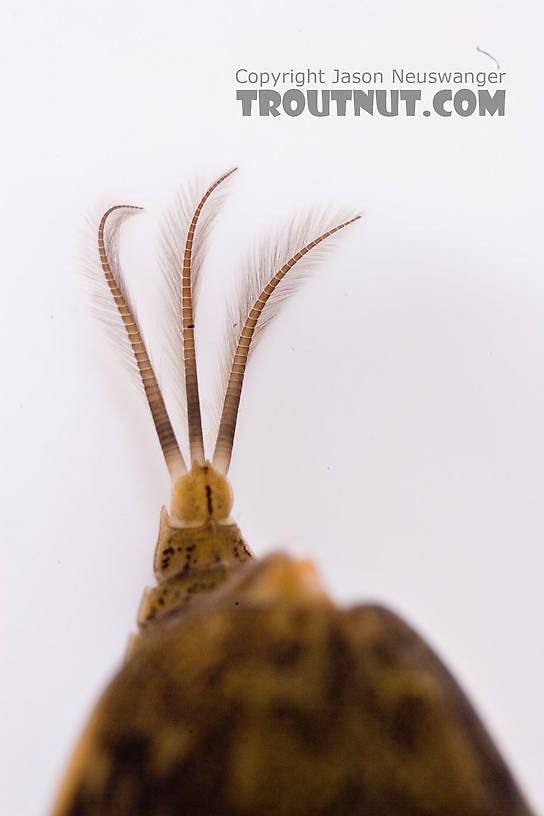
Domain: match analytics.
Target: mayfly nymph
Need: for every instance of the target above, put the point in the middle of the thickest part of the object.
(247, 691)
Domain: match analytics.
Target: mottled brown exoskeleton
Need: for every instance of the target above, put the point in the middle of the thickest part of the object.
(247, 690)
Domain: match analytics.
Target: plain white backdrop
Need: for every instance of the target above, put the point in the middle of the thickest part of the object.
(391, 425)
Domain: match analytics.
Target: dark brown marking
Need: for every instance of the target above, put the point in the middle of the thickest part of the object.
(285, 654)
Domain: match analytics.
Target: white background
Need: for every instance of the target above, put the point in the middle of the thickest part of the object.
(392, 423)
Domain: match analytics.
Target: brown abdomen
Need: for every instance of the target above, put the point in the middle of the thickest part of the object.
(287, 709)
